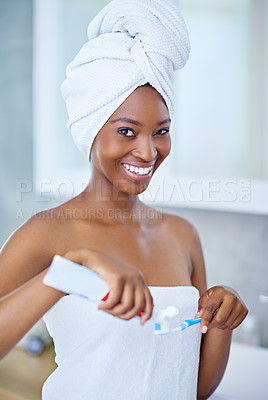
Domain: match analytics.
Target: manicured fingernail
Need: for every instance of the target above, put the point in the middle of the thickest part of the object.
(204, 329)
(198, 314)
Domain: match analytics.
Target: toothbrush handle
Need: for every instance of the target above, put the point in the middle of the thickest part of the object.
(193, 321)
(105, 297)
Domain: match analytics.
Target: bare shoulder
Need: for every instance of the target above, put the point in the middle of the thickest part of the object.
(38, 231)
(181, 227)
(188, 235)
(172, 224)
(30, 249)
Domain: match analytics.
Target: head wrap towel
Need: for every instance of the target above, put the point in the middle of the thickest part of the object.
(130, 43)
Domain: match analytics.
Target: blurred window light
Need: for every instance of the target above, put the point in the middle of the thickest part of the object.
(221, 116)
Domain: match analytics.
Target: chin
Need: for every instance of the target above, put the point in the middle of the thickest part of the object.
(133, 189)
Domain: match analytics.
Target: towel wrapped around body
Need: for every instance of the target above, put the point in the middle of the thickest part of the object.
(101, 357)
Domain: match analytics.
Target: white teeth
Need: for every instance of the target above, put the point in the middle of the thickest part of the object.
(138, 171)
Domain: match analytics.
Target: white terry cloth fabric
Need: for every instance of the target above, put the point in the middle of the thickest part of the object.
(101, 357)
(130, 43)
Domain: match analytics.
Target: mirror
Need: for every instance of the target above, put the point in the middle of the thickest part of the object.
(222, 93)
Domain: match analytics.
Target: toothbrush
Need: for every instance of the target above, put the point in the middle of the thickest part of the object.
(186, 324)
(163, 328)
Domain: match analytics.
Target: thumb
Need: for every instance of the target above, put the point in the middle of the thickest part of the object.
(198, 314)
(202, 302)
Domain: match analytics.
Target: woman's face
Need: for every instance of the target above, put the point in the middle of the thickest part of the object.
(133, 142)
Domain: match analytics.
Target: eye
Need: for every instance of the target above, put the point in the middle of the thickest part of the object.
(126, 132)
(162, 132)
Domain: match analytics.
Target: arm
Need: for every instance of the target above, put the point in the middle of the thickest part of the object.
(24, 261)
(23, 297)
(20, 310)
(221, 311)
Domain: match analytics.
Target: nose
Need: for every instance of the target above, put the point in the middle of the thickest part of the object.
(145, 149)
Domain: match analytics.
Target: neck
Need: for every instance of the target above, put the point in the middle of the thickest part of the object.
(113, 205)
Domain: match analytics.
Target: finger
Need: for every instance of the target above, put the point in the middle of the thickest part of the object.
(126, 304)
(239, 319)
(225, 321)
(223, 313)
(113, 299)
(148, 308)
(207, 313)
(138, 304)
(198, 314)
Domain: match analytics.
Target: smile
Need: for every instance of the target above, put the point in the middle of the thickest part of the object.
(138, 171)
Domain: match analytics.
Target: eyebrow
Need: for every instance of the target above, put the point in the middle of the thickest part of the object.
(132, 121)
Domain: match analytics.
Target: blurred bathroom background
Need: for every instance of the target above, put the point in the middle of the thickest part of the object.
(217, 173)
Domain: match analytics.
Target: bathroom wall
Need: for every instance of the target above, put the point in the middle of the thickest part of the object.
(235, 245)
(236, 255)
(15, 105)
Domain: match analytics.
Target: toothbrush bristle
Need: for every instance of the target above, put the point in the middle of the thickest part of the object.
(161, 328)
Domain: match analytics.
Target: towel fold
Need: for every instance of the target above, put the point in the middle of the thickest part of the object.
(130, 43)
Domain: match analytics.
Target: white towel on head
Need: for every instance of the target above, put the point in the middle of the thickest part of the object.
(131, 43)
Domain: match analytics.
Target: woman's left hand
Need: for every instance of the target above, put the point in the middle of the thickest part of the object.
(220, 307)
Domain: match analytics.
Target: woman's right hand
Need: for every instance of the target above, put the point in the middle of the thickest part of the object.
(129, 293)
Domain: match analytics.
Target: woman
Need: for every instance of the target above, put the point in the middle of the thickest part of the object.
(121, 121)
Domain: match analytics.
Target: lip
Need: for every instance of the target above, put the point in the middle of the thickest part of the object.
(140, 164)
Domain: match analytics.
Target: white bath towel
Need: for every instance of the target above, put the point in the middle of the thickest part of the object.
(130, 43)
(101, 357)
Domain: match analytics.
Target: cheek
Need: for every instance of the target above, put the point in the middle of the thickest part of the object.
(110, 154)
(165, 150)
(114, 149)
(106, 152)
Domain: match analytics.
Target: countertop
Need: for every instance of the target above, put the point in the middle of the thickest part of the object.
(22, 375)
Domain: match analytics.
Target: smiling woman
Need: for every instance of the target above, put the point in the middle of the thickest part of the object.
(120, 82)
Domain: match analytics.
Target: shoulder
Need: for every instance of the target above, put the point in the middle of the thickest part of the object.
(172, 225)
(42, 228)
(47, 232)
(37, 229)
(181, 227)
(37, 234)
(188, 236)
(30, 250)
